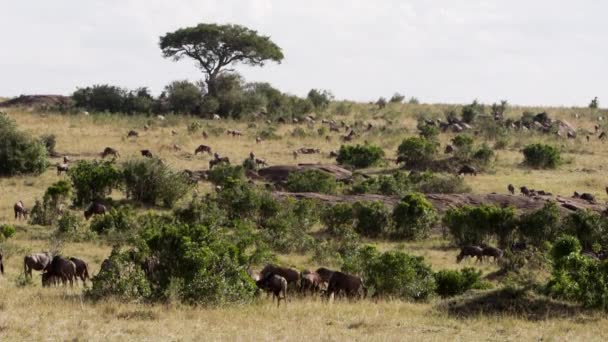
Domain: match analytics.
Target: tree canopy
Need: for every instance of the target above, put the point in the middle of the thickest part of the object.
(214, 47)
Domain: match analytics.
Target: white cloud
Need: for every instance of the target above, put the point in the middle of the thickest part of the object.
(540, 52)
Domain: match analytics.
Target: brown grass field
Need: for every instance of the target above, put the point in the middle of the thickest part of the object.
(32, 313)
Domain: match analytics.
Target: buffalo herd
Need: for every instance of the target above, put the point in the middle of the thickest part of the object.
(55, 268)
(278, 280)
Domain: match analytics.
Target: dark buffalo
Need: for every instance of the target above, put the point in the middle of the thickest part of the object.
(82, 269)
(202, 149)
(351, 285)
(467, 170)
(95, 208)
(146, 153)
(310, 282)
(511, 189)
(110, 151)
(38, 262)
(60, 269)
(325, 274)
(292, 276)
(218, 161)
(524, 191)
(470, 251)
(276, 284)
(492, 252)
(1, 263)
(132, 134)
(587, 197)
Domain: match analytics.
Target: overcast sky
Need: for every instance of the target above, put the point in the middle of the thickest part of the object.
(528, 52)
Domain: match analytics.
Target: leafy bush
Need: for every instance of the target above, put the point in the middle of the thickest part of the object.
(396, 184)
(542, 156)
(93, 180)
(429, 132)
(101, 98)
(205, 211)
(49, 141)
(312, 181)
(45, 213)
(6, 231)
(451, 283)
(184, 97)
(577, 277)
(20, 153)
(372, 218)
(68, 223)
(470, 112)
(484, 155)
(410, 277)
(240, 200)
(360, 156)
(122, 279)
(338, 219)
(416, 152)
(541, 225)
(413, 217)
(397, 98)
(320, 98)
(588, 226)
(434, 183)
(120, 219)
(381, 103)
(152, 182)
(474, 225)
(223, 175)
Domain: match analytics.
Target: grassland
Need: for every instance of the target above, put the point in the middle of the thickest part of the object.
(33, 313)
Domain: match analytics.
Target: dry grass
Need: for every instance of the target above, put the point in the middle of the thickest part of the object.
(33, 313)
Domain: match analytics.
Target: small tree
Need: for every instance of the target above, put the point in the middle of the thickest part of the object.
(93, 180)
(183, 97)
(541, 225)
(372, 218)
(413, 217)
(470, 112)
(474, 225)
(320, 98)
(542, 156)
(360, 156)
(595, 103)
(338, 219)
(20, 153)
(416, 152)
(215, 47)
(397, 98)
(312, 181)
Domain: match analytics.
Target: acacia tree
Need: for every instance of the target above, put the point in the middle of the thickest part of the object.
(215, 47)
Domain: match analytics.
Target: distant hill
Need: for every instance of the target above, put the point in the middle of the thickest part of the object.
(34, 101)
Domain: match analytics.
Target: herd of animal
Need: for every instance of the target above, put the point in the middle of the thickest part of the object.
(278, 280)
(55, 269)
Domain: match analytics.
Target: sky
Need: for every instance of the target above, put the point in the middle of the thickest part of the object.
(541, 52)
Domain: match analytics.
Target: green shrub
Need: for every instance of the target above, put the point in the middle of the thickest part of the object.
(429, 132)
(541, 225)
(184, 97)
(588, 226)
(119, 219)
(565, 246)
(452, 283)
(416, 152)
(413, 217)
(201, 210)
(194, 127)
(152, 182)
(49, 141)
(389, 185)
(397, 98)
(312, 181)
(46, 213)
(372, 218)
(360, 156)
(470, 112)
(474, 225)
(338, 219)
(123, 279)
(434, 183)
(224, 175)
(6, 231)
(20, 153)
(68, 223)
(483, 156)
(392, 274)
(240, 200)
(542, 156)
(93, 180)
(320, 98)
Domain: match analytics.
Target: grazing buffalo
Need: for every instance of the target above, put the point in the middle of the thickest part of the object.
(132, 134)
(587, 197)
(310, 282)
(492, 252)
(292, 276)
(146, 153)
(325, 274)
(467, 170)
(82, 269)
(470, 251)
(62, 168)
(21, 211)
(95, 208)
(60, 269)
(38, 262)
(511, 189)
(351, 285)
(274, 283)
(524, 191)
(202, 149)
(110, 151)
